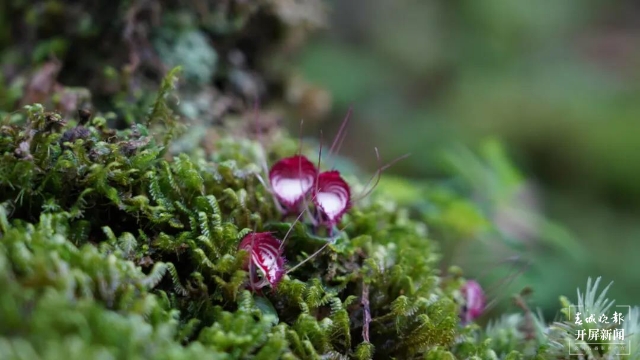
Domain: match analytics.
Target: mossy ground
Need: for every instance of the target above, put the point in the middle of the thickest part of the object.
(99, 222)
(119, 231)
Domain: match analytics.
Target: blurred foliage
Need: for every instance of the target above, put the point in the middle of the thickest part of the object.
(488, 218)
(232, 53)
(556, 82)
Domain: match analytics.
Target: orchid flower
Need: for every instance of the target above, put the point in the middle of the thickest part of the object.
(265, 255)
(295, 183)
(291, 180)
(332, 197)
(474, 301)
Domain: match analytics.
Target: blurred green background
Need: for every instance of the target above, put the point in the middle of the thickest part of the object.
(555, 82)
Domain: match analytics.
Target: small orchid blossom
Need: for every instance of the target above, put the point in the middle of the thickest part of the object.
(474, 301)
(332, 197)
(291, 180)
(295, 183)
(266, 255)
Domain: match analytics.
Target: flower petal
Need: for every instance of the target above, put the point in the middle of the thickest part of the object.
(266, 255)
(291, 179)
(332, 196)
(474, 300)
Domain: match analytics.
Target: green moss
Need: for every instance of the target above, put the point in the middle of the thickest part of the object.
(101, 229)
(190, 49)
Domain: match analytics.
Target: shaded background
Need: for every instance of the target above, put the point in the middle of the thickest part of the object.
(556, 82)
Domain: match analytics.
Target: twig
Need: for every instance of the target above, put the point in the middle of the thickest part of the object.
(528, 327)
(367, 311)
